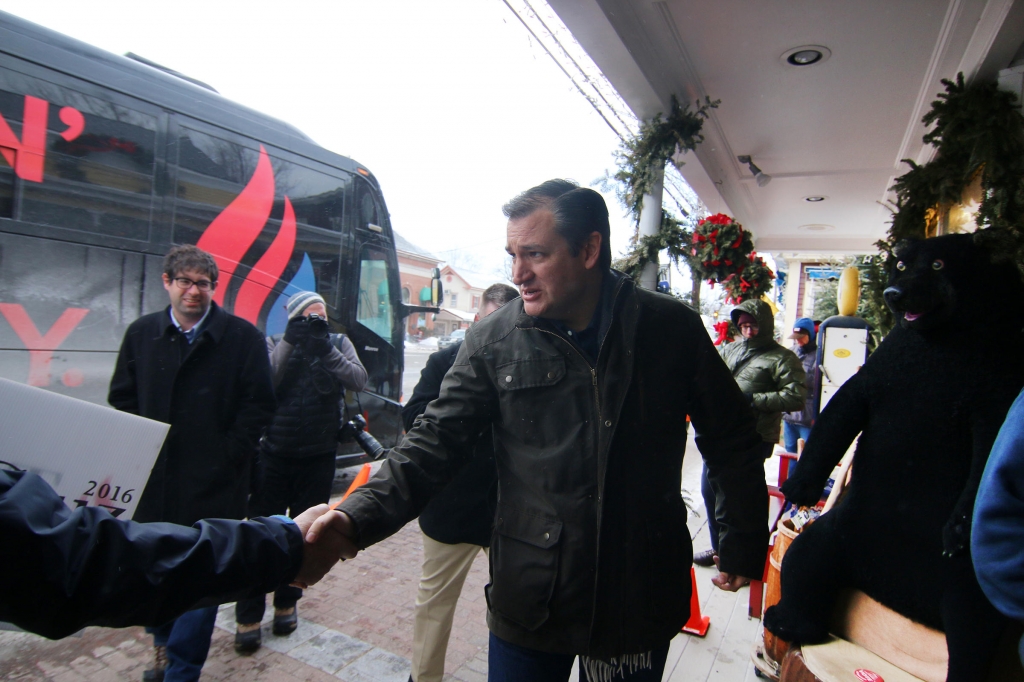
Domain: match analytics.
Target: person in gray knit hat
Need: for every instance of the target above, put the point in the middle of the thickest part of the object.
(311, 369)
(300, 302)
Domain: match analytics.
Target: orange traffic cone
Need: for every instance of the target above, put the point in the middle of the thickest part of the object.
(698, 624)
(362, 477)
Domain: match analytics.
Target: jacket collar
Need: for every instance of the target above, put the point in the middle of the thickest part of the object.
(616, 288)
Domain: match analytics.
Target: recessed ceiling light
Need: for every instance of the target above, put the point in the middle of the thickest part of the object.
(817, 227)
(806, 55)
(815, 198)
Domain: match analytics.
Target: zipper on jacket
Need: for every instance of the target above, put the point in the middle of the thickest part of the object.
(593, 371)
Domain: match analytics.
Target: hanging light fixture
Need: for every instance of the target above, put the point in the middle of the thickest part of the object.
(760, 176)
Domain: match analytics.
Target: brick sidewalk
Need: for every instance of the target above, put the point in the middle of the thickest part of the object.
(355, 625)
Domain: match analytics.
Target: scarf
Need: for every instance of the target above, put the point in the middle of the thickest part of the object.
(606, 671)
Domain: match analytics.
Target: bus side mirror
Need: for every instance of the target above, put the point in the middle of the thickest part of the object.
(436, 288)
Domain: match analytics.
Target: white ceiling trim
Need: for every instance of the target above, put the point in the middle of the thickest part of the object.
(992, 19)
(984, 29)
(912, 135)
(739, 201)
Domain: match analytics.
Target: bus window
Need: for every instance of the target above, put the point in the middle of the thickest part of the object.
(367, 207)
(374, 310)
(99, 182)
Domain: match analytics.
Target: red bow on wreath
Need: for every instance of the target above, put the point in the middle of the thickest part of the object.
(723, 333)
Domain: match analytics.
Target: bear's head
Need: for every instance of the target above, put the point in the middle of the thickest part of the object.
(948, 280)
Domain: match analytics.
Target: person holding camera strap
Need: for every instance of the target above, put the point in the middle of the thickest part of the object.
(311, 369)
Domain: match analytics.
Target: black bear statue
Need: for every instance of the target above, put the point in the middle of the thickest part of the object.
(927, 404)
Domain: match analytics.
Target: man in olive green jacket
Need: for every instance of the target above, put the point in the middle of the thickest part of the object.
(585, 382)
(771, 377)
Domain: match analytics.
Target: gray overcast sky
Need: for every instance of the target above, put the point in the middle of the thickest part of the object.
(449, 103)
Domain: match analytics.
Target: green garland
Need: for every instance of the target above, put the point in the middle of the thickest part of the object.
(977, 129)
(672, 236)
(640, 156)
(638, 159)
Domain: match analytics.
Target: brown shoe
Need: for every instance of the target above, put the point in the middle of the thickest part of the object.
(705, 558)
(156, 673)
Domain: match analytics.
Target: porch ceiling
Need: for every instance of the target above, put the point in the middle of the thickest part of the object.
(836, 129)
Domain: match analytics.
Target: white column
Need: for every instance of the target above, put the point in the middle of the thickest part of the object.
(650, 223)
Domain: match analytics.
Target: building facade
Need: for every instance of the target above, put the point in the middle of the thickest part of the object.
(414, 267)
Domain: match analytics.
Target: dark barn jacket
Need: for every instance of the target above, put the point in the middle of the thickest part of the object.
(217, 396)
(591, 553)
(63, 569)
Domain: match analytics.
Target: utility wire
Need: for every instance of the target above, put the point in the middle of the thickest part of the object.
(611, 107)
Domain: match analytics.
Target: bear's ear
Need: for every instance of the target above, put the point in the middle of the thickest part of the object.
(902, 245)
(997, 244)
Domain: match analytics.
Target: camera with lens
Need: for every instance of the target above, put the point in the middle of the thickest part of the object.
(355, 429)
(318, 327)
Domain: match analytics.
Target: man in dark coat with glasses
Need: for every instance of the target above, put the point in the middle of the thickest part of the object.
(206, 373)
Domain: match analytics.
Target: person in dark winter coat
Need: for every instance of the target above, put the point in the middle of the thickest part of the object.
(797, 424)
(204, 372)
(585, 381)
(457, 523)
(311, 370)
(772, 379)
(997, 531)
(85, 567)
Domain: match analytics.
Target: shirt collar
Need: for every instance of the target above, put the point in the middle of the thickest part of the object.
(191, 333)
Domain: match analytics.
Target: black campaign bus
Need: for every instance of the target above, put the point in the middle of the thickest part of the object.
(106, 162)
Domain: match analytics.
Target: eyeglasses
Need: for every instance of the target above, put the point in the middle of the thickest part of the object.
(748, 326)
(184, 283)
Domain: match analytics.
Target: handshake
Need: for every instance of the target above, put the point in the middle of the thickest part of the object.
(327, 539)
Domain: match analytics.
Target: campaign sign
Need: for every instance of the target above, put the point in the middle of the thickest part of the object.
(91, 455)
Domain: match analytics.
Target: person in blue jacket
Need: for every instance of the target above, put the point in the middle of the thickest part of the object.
(63, 570)
(997, 531)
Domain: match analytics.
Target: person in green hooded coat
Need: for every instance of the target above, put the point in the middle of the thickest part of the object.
(773, 380)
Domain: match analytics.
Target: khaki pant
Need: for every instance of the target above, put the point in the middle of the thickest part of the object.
(445, 568)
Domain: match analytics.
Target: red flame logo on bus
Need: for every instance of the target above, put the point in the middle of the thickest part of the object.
(235, 230)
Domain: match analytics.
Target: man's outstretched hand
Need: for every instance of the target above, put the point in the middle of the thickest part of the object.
(327, 539)
(730, 582)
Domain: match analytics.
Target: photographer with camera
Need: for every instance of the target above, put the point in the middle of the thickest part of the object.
(311, 368)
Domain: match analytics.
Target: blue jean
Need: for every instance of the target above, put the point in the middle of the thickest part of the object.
(507, 662)
(790, 434)
(187, 639)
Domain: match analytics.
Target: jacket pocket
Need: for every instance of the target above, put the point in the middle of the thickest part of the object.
(524, 566)
(539, 408)
(530, 373)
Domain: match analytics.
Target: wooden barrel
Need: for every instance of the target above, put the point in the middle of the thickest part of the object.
(775, 648)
